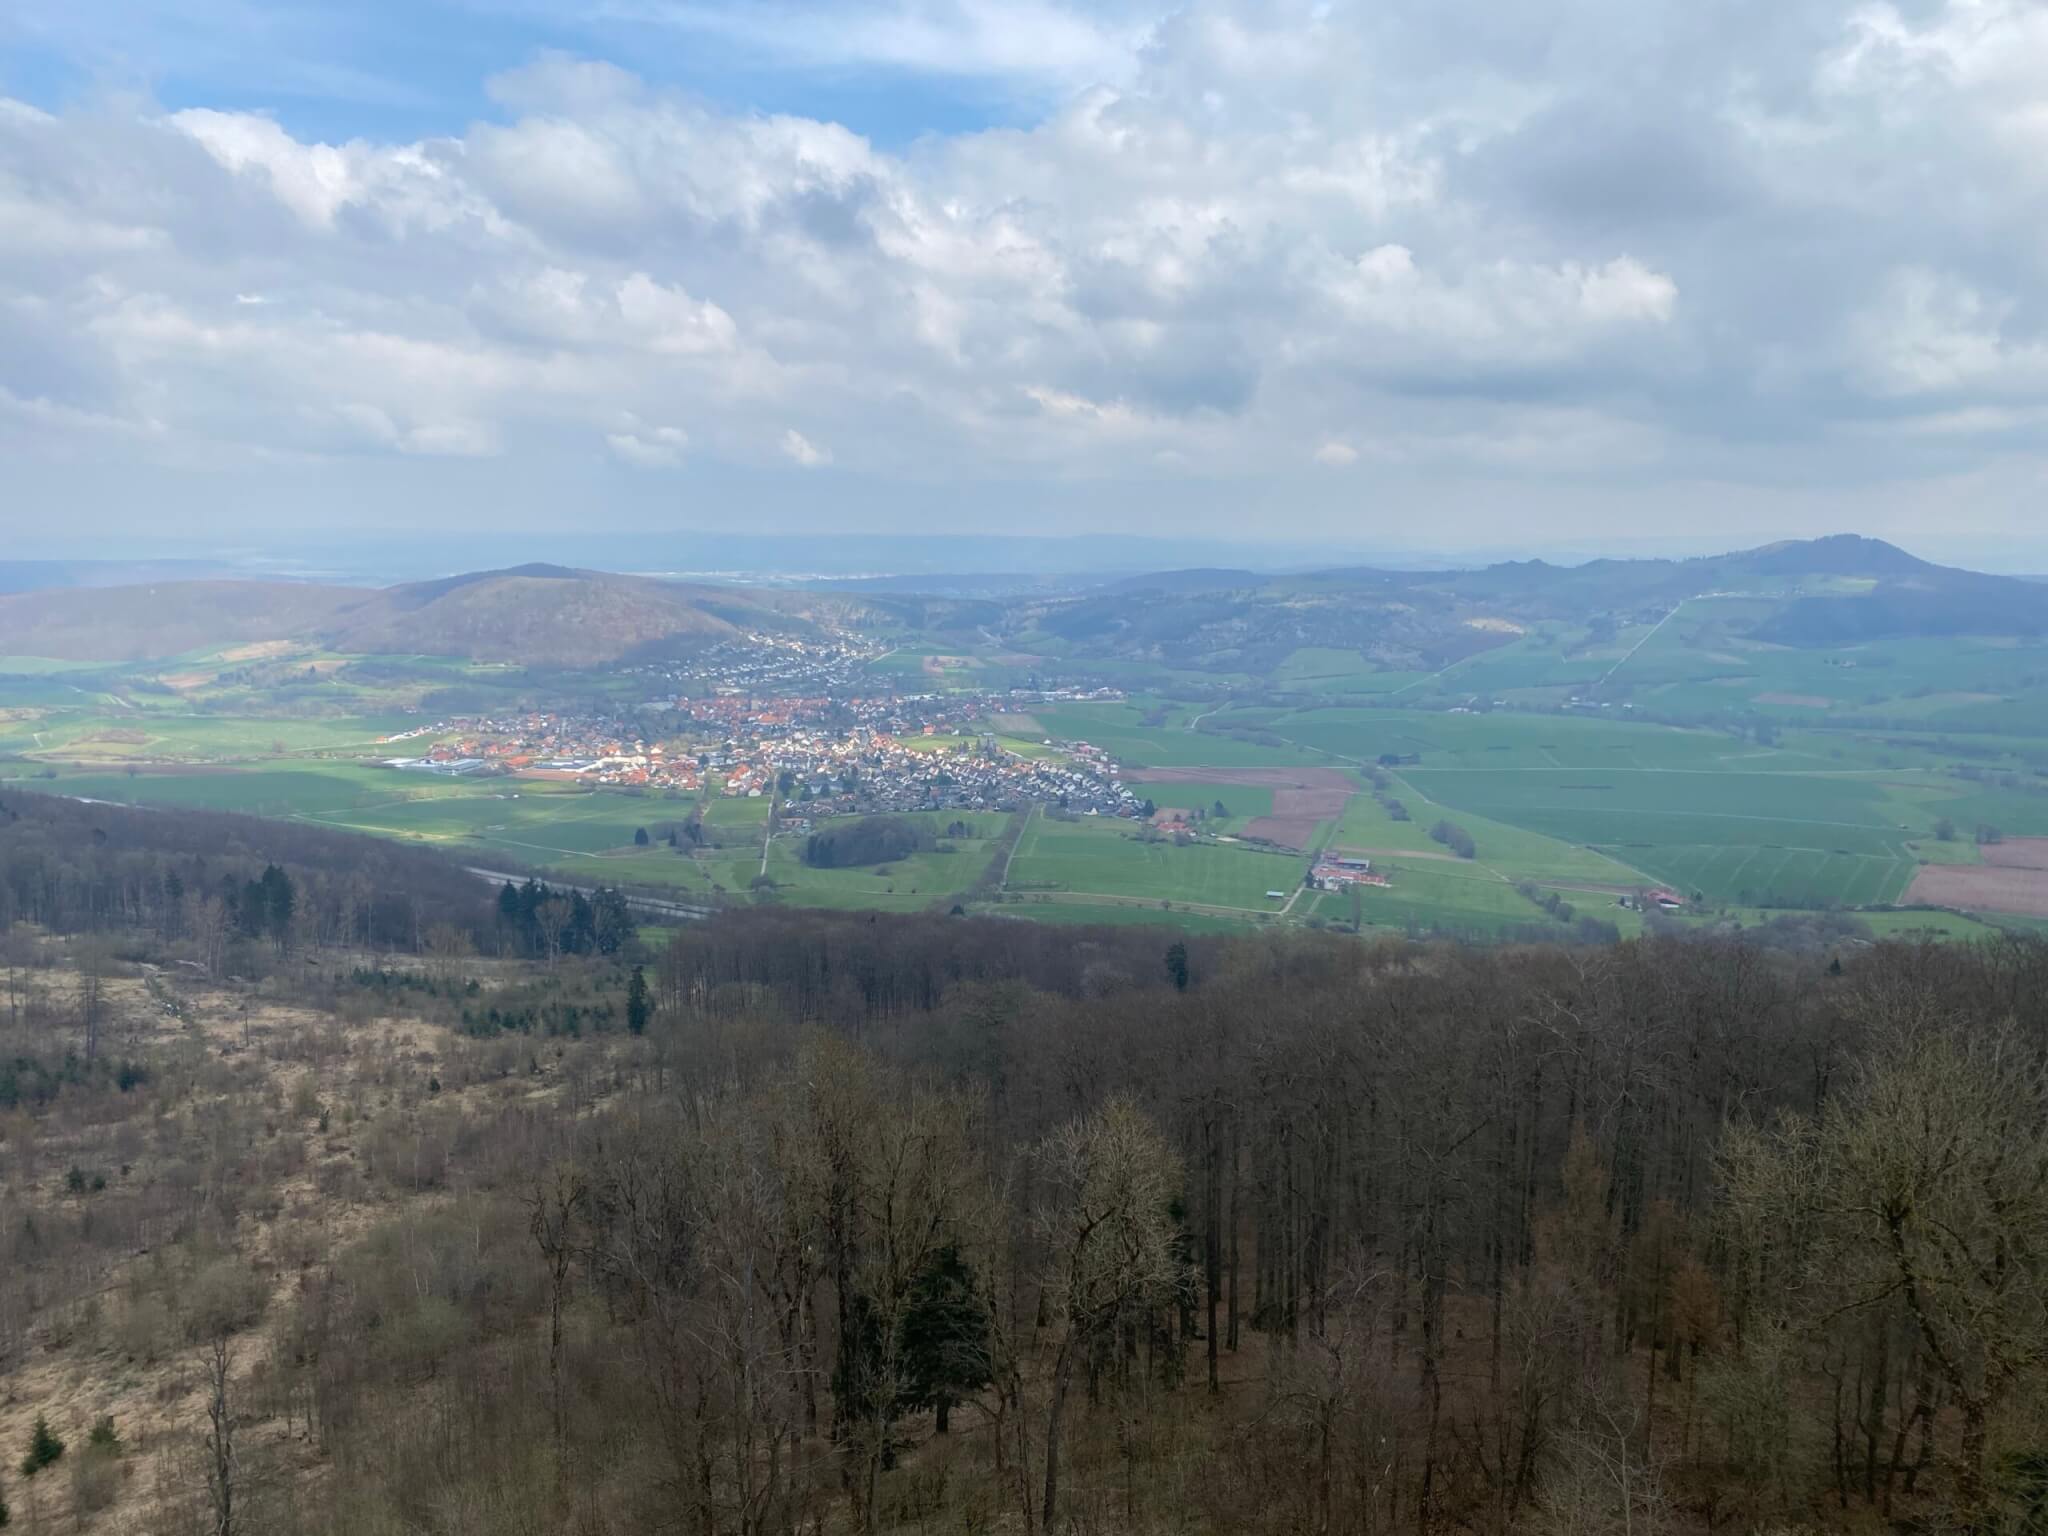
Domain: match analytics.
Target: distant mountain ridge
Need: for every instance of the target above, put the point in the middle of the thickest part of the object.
(1840, 590)
(1844, 589)
(535, 616)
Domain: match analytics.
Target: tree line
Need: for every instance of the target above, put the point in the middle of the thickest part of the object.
(868, 1222)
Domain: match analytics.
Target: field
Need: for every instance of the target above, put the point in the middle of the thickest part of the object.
(938, 876)
(1735, 837)
(1079, 912)
(1120, 730)
(1448, 894)
(1874, 750)
(1296, 803)
(1105, 858)
(2012, 878)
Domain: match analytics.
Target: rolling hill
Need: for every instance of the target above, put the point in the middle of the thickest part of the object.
(543, 615)
(1836, 591)
(531, 615)
(163, 619)
(1841, 590)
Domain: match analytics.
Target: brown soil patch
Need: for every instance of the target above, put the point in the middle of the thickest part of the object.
(1303, 798)
(1796, 700)
(1982, 887)
(260, 650)
(2018, 853)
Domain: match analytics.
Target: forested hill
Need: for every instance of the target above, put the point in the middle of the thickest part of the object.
(77, 866)
(535, 615)
(1831, 591)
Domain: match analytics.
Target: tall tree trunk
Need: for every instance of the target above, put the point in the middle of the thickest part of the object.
(1063, 1372)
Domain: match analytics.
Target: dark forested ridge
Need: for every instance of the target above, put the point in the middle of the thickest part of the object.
(73, 866)
(852, 1222)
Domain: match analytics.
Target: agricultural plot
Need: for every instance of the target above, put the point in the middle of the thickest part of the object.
(1120, 730)
(1242, 803)
(1320, 669)
(1546, 659)
(1696, 666)
(327, 788)
(1510, 851)
(1502, 740)
(1078, 912)
(144, 736)
(1448, 897)
(583, 833)
(939, 875)
(1735, 837)
(1093, 857)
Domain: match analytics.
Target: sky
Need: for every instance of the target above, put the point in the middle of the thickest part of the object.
(1442, 274)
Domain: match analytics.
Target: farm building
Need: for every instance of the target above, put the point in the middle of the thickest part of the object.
(1335, 874)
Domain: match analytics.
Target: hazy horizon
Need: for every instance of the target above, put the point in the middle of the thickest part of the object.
(383, 558)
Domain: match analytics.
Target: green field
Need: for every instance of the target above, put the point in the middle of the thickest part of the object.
(581, 832)
(1120, 730)
(921, 880)
(1106, 858)
(1242, 802)
(1836, 805)
(1050, 909)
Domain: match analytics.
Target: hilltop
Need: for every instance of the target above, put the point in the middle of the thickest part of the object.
(1838, 590)
(1820, 592)
(532, 615)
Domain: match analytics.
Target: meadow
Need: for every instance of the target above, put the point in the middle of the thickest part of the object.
(935, 876)
(1836, 804)
(1091, 856)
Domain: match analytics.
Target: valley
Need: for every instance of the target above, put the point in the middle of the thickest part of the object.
(1593, 736)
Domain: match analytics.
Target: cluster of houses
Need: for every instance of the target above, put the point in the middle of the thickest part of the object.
(772, 664)
(1338, 872)
(925, 753)
(870, 771)
(566, 748)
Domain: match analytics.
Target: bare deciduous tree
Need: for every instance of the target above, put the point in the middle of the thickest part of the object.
(1111, 1245)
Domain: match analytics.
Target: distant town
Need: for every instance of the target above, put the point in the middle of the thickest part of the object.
(776, 720)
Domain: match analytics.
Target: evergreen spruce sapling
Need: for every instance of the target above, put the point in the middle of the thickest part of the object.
(43, 1448)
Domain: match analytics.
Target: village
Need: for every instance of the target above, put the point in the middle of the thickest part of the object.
(831, 756)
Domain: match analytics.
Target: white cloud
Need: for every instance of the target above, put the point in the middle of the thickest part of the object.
(1930, 333)
(1232, 236)
(805, 452)
(649, 447)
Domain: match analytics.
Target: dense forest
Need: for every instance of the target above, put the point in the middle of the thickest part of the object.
(849, 1222)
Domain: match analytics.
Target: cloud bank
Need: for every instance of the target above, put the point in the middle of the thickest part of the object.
(1346, 264)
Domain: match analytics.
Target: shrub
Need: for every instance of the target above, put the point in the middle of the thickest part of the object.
(145, 1329)
(224, 1297)
(95, 1480)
